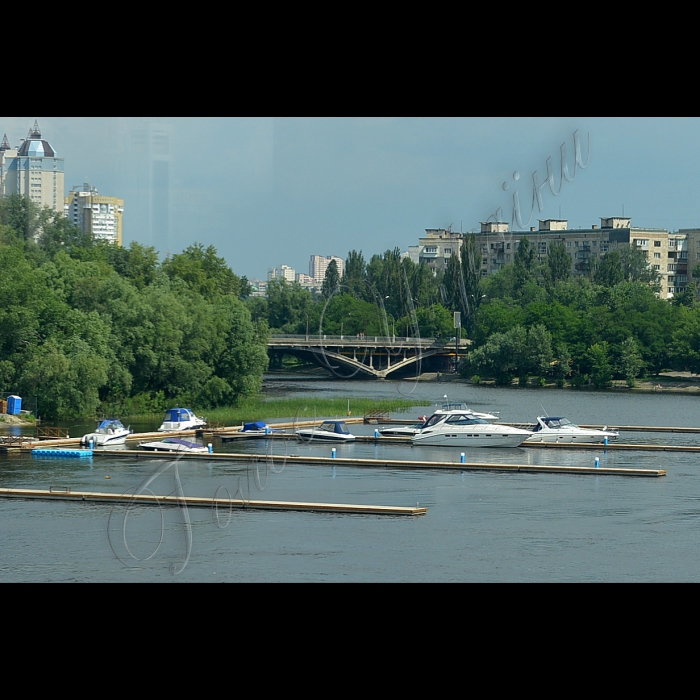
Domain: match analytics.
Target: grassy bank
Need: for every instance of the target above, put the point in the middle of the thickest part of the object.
(258, 408)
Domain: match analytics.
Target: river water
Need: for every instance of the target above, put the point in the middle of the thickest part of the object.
(480, 526)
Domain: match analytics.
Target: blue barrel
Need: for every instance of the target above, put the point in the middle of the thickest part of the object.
(14, 405)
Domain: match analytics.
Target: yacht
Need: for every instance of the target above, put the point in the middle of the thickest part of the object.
(181, 419)
(328, 431)
(109, 432)
(561, 430)
(460, 428)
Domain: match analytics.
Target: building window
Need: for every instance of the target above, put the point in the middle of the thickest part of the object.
(603, 247)
(568, 244)
(641, 242)
(657, 255)
(657, 267)
(671, 242)
(595, 243)
(657, 244)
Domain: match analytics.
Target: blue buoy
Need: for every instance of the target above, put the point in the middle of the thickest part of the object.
(462, 459)
(605, 441)
(333, 453)
(597, 462)
(376, 433)
(211, 449)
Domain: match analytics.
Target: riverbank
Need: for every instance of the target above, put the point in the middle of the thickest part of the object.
(675, 382)
(7, 419)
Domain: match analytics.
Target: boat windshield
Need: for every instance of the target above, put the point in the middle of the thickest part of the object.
(334, 427)
(109, 426)
(466, 419)
(558, 423)
(434, 420)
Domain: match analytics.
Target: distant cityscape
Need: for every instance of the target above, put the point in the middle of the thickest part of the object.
(32, 168)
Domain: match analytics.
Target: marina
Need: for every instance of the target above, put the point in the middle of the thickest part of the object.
(533, 512)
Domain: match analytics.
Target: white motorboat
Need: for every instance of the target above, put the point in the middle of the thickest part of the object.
(173, 445)
(459, 428)
(181, 419)
(109, 432)
(328, 431)
(561, 430)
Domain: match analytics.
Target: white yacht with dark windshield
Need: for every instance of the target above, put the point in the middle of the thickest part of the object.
(561, 430)
(460, 428)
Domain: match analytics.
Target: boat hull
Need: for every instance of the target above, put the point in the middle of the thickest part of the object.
(160, 447)
(571, 438)
(453, 438)
(322, 436)
(104, 440)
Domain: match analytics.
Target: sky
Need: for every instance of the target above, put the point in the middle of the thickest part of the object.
(270, 191)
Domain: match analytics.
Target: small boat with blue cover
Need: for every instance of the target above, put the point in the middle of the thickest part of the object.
(328, 431)
(109, 432)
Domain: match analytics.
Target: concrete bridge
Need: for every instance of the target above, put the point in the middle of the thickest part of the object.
(371, 356)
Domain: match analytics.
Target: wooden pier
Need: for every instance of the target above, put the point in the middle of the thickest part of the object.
(198, 502)
(384, 463)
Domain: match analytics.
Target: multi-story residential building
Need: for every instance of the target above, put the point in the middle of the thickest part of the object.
(319, 264)
(666, 253)
(306, 281)
(95, 214)
(437, 247)
(32, 169)
(281, 272)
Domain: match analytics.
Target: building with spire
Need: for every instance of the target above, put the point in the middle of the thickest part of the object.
(32, 169)
(94, 213)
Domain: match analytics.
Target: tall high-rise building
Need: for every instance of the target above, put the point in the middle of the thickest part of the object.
(150, 156)
(94, 213)
(32, 169)
(319, 264)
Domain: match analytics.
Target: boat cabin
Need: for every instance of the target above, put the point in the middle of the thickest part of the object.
(334, 426)
(553, 423)
(109, 426)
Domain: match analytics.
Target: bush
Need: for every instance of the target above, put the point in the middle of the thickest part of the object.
(476, 379)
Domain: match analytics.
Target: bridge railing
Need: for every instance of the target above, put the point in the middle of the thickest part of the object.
(315, 337)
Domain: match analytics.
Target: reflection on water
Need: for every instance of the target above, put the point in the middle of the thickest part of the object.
(480, 526)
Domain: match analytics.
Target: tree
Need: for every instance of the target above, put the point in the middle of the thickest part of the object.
(524, 264)
(636, 266)
(558, 267)
(601, 371)
(610, 271)
(203, 271)
(355, 273)
(331, 280)
(630, 361)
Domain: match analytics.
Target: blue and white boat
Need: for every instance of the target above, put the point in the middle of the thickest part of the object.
(109, 432)
(328, 431)
(181, 419)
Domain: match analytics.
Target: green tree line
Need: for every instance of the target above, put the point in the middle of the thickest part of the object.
(89, 327)
(531, 319)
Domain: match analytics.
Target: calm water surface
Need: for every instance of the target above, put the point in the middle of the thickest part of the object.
(479, 526)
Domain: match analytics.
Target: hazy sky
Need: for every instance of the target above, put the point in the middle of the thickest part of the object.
(272, 191)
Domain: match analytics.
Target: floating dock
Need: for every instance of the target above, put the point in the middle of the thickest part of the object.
(389, 463)
(57, 452)
(198, 502)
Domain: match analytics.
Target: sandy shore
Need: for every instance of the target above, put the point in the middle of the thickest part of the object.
(7, 419)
